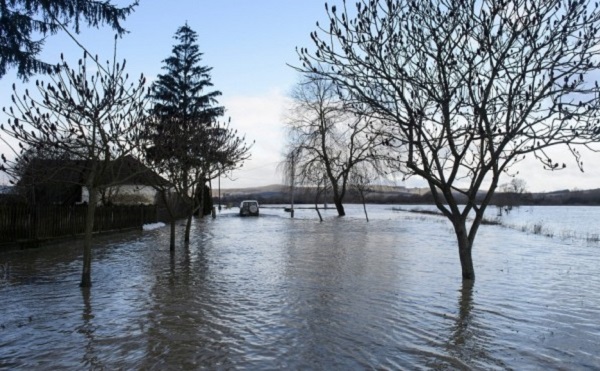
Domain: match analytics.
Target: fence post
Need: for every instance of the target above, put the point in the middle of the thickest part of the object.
(36, 221)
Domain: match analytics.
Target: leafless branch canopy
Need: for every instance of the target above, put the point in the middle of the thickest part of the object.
(79, 115)
(469, 87)
(466, 88)
(327, 138)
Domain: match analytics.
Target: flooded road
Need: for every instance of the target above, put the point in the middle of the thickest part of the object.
(279, 293)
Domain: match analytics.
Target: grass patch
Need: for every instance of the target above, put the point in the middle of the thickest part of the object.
(593, 237)
(537, 228)
(495, 221)
(420, 211)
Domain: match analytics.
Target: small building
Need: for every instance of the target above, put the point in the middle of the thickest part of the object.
(125, 181)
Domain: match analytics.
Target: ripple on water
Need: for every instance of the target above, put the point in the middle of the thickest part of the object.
(273, 293)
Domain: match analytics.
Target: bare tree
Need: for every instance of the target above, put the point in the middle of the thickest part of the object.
(323, 130)
(189, 158)
(176, 157)
(225, 151)
(467, 87)
(516, 185)
(91, 118)
(513, 194)
(314, 175)
(360, 180)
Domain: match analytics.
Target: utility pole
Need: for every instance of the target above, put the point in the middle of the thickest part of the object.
(292, 183)
(325, 191)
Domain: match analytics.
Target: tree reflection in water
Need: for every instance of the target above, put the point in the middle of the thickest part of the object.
(87, 329)
(182, 326)
(467, 343)
(462, 334)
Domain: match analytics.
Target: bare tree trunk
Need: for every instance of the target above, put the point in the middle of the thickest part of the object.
(337, 197)
(86, 274)
(362, 196)
(172, 237)
(172, 220)
(318, 212)
(201, 212)
(339, 206)
(194, 207)
(317, 207)
(465, 247)
(188, 227)
(190, 206)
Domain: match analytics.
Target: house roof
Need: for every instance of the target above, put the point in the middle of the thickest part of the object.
(124, 170)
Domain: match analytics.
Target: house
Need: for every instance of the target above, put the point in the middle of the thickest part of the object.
(125, 181)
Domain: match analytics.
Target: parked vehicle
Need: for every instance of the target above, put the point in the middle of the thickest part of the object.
(249, 208)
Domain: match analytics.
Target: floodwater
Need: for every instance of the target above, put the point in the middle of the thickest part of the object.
(280, 293)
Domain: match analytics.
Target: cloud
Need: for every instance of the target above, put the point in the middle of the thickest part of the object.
(540, 180)
(260, 118)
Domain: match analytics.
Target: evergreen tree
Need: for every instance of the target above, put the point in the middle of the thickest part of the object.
(180, 139)
(179, 92)
(20, 18)
(181, 107)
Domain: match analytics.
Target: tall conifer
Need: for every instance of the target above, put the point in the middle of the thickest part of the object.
(182, 107)
(180, 94)
(184, 117)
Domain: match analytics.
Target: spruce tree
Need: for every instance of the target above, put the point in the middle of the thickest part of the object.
(19, 19)
(184, 115)
(181, 106)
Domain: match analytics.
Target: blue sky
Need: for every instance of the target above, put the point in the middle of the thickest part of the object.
(248, 44)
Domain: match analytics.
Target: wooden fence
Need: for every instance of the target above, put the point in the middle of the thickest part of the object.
(24, 222)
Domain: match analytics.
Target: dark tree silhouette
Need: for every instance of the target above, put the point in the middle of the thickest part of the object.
(90, 118)
(467, 88)
(184, 140)
(22, 21)
(183, 111)
(181, 92)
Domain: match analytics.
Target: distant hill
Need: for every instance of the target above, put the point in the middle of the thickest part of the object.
(280, 194)
(567, 197)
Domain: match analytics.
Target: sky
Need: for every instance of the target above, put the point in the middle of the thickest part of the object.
(249, 45)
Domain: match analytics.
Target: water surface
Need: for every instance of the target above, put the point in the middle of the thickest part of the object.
(280, 293)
